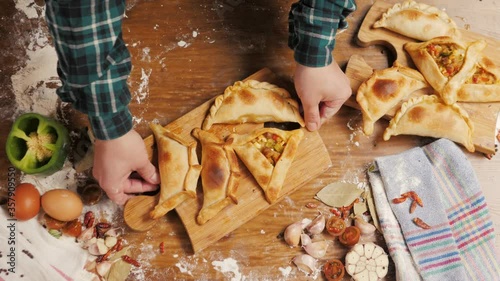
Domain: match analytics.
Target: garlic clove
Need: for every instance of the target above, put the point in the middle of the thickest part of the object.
(114, 232)
(86, 235)
(103, 267)
(373, 275)
(305, 222)
(110, 241)
(101, 246)
(316, 249)
(305, 263)
(89, 242)
(305, 239)
(94, 249)
(317, 225)
(292, 234)
(359, 249)
(369, 248)
(366, 228)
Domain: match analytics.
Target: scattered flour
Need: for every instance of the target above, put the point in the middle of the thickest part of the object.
(28, 8)
(143, 91)
(285, 271)
(182, 43)
(229, 267)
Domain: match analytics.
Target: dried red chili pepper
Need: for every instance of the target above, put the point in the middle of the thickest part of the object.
(420, 223)
(413, 206)
(162, 247)
(89, 219)
(130, 260)
(399, 200)
(118, 246)
(335, 212)
(311, 205)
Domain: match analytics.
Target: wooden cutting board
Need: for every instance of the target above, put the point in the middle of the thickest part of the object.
(484, 115)
(311, 160)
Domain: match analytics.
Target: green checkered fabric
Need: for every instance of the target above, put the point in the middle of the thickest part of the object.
(94, 62)
(313, 25)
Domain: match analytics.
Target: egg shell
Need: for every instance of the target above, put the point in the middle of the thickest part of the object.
(26, 201)
(62, 204)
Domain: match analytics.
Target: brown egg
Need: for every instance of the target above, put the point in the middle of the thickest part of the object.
(62, 204)
(26, 201)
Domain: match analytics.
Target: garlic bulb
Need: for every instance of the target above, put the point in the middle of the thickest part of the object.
(316, 249)
(305, 263)
(317, 225)
(366, 228)
(367, 262)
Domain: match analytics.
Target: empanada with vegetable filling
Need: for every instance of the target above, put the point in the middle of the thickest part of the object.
(445, 63)
(384, 90)
(418, 21)
(254, 102)
(268, 154)
(428, 116)
(482, 84)
(179, 170)
(220, 174)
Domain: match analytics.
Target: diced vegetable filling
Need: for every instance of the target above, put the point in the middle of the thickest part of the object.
(271, 145)
(449, 57)
(481, 76)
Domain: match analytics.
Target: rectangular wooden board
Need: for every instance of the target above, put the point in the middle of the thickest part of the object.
(483, 115)
(312, 159)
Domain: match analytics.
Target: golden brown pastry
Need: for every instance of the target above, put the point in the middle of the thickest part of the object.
(219, 174)
(179, 170)
(418, 21)
(482, 84)
(384, 90)
(254, 102)
(445, 63)
(428, 116)
(268, 154)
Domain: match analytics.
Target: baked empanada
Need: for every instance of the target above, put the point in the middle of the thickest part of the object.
(445, 63)
(418, 21)
(428, 116)
(179, 170)
(384, 90)
(254, 102)
(483, 83)
(220, 174)
(268, 154)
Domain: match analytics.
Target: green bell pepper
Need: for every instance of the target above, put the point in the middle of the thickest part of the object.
(37, 144)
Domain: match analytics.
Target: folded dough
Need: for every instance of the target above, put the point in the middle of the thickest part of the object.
(445, 63)
(255, 102)
(428, 116)
(179, 170)
(268, 154)
(384, 90)
(219, 174)
(418, 21)
(482, 84)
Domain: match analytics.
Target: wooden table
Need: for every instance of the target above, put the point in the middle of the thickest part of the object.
(184, 53)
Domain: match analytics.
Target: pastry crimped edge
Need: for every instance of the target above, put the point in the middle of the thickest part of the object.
(361, 96)
(218, 101)
(390, 130)
(190, 179)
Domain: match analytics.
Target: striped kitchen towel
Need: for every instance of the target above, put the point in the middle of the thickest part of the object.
(458, 243)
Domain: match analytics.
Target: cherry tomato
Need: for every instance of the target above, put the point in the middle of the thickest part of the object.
(350, 236)
(334, 270)
(52, 223)
(26, 201)
(73, 228)
(335, 226)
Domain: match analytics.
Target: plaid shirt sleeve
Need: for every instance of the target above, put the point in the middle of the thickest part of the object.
(94, 62)
(313, 25)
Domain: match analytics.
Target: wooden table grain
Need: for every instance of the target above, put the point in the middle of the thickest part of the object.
(186, 52)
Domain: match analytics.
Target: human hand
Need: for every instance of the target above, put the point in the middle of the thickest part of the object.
(115, 160)
(322, 91)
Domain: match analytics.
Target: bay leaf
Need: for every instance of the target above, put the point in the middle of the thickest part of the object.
(373, 211)
(360, 208)
(120, 269)
(339, 194)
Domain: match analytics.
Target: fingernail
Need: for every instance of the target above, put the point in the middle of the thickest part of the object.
(311, 126)
(155, 178)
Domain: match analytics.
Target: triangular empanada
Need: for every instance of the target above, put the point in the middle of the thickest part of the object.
(384, 90)
(179, 170)
(428, 116)
(483, 83)
(254, 102)
(219, 174)
(418, 21)
(445, 63)
(268, 154)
